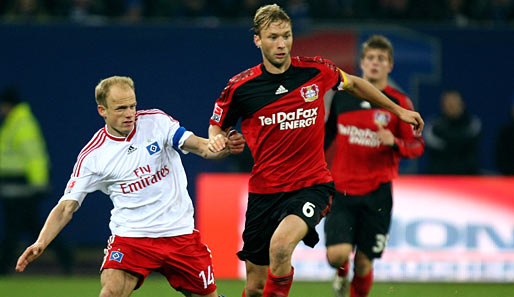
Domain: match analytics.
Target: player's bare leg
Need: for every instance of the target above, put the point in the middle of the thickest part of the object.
(338, 256)
(363, 264)
(255, 279)
(286, 237)
(117, 283)
(363, 277)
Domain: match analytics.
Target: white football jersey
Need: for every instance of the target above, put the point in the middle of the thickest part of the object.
(142, 174)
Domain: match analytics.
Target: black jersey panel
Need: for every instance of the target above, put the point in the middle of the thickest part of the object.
(268, 88)
(345, 102)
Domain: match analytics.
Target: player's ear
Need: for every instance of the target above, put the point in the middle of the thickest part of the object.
(257, 40)
(101, 110)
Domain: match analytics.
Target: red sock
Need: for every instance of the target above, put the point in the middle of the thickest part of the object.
(244, 290)
(361, 285)
(278, 286)
(343, 270)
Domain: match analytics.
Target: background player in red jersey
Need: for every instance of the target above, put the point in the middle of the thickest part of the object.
(370, 142)
(281, 104)
(134, 159)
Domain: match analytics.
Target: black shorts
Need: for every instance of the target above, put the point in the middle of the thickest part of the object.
(362, 221)
(265, 212)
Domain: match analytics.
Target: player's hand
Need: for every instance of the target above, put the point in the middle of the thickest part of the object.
(413, 118)
(217, 143)
(236, 142)
(385, 136)
(30, 254)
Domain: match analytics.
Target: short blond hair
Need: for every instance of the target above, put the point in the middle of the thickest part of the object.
(104, 86)
(378, 42)
(268, 14)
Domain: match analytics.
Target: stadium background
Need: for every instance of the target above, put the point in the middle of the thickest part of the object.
(182, 68)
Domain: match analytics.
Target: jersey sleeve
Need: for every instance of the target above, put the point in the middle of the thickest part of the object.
(407, 143)
(86, 181)
(343, 80)
(225, 113)
(337, 78)
(176, 134)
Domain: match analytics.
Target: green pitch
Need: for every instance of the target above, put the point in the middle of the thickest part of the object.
(155, 285)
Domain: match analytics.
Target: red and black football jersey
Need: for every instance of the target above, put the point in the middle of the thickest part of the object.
(360, 163)
(282, 119)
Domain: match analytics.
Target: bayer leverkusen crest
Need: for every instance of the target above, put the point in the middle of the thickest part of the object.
(382, 118)
(310, 93)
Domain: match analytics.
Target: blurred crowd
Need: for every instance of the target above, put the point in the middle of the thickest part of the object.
(457, 12)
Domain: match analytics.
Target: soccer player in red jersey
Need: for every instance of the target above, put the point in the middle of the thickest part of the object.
(281, 104)
(135, 160)
(370, 141)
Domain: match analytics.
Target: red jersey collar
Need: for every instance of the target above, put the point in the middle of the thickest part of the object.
(119, 138)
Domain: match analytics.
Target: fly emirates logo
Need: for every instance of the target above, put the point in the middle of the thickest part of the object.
(364, 137)
(145, 180)
(300, 118)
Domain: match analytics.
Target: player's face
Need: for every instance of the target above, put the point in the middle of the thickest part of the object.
(120, 112)
(275, 42)
(375, 65)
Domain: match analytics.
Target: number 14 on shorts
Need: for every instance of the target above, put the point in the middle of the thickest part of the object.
(209, 279)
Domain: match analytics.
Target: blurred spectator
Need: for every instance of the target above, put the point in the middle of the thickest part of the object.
(86, 11)
(195, 8)
(456, 12)
(24, 178)
(394, 9)
(132, 11)
(500, 11)
(25, 10)
(505, 146)
(161, 8)
(452, 138)
(459, 12)
(298, 9)
(248, 7)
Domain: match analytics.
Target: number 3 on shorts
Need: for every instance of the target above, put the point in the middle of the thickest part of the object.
(381, 243)
(308, 209)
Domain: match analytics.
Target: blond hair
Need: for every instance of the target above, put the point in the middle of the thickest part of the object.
(104, 86)
(268, 14)
(378, 42)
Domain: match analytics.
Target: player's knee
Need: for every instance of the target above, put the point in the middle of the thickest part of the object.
(335, 260)
(109, 292)
(336, 256)
(280, 252)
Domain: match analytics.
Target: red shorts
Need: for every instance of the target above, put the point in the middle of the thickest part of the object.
(184, 260)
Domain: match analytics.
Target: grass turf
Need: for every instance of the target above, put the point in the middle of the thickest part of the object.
(155, 285)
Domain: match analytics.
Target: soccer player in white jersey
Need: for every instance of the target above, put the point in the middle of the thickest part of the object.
(134, 159)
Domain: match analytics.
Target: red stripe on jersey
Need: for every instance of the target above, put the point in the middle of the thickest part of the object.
(97, 142)
(319, 60)
(121, 138)
(90, 144)
(234, 80)
(153, 111)
(223, 102)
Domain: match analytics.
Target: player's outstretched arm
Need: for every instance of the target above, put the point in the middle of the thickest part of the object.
(218, 147)
(218, 139)
(59, 217)
(363, 89)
